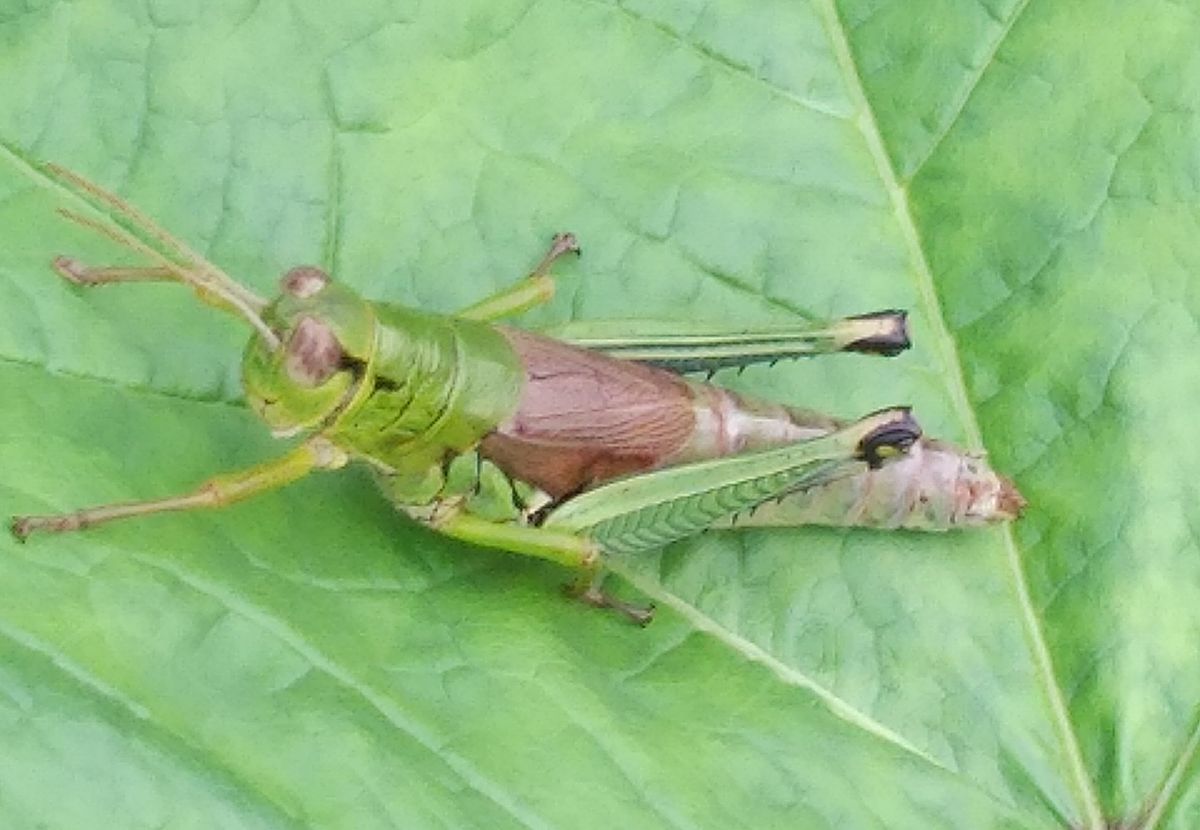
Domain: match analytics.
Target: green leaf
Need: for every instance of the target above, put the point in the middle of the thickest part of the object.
(1024, 176)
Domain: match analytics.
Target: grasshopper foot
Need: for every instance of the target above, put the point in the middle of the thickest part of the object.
(71, 270)
(21, 527)
(76, 273)
(564, 243)
(587, 589)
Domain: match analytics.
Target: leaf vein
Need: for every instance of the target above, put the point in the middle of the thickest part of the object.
(1085, 790)
(387, 710)
(755, 653)
(724, 62)
(135, 388)
(140, 713)
(966, 91)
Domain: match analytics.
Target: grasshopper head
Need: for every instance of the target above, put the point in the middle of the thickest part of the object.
(326, 340)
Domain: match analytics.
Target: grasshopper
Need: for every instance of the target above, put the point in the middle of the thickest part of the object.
(575, 448)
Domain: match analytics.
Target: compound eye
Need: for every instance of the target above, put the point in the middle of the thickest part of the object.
(304, 281)
(312, 354)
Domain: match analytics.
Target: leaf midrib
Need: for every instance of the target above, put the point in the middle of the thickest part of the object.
(786, 673)
(956, 386)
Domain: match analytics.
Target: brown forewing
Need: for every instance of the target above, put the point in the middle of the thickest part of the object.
(584, 417)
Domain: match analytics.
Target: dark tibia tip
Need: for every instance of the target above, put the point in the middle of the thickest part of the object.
(888, 342)
(890, 440)
(304, 281)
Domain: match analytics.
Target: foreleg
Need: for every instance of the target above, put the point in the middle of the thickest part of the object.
(216, 492)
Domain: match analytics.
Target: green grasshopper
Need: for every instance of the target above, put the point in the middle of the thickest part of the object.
(574, 449)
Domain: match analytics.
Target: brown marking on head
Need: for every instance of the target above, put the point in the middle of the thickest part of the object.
(312, 354)
(304, 281)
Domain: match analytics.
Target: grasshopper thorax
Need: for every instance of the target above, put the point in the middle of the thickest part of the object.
(327, 342)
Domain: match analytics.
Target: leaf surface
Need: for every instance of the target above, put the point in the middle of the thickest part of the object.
(1023, 176)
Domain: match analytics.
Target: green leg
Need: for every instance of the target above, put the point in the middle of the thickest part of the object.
(127, 226)
(642, 512)
(650, 510)
(110, 205)
(569, 549)
(693, 346)
(75, 271)
(535, 289)
(216, 492)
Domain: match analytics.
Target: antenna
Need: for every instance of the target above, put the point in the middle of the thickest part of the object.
(211, 283)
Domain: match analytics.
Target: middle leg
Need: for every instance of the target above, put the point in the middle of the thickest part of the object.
(570, 549)
(532, 291)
